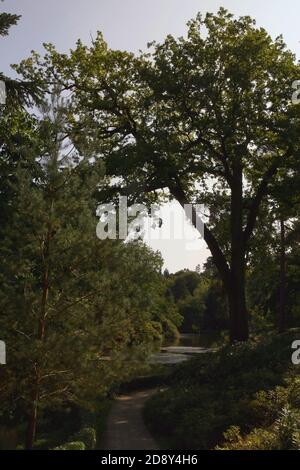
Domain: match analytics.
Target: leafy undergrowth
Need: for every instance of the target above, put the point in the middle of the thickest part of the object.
(92, 428)
(65, 428)
(245, 396)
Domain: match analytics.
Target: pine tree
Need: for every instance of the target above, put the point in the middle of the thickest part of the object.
(78, 313)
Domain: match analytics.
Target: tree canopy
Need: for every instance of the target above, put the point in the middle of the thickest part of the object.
(204, 119)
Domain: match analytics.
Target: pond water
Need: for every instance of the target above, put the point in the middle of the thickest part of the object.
(184, 348)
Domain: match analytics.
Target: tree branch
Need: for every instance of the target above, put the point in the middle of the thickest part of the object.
(212, 243)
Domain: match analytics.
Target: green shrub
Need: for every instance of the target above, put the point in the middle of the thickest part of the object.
(88, 437)
(287, 428)
(279, 413)
(71, 446)
(258, 439)
(247, 387)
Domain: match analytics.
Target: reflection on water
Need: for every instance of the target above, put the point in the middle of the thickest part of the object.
(184, 347)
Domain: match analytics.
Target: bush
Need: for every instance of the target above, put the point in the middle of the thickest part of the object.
(258, 439)
(278, 411)
(246, 389)
(89, 428)
(71, 446)
(88, 437)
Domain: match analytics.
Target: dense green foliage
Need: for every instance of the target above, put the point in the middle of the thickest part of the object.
(200, 300)
(248, 386)
(73, 311)
(213, 106)
(203, 119)
(79, 314)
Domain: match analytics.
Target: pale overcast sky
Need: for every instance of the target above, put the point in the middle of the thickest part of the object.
(129, 25)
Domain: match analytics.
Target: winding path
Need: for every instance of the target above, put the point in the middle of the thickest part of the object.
(125, 427)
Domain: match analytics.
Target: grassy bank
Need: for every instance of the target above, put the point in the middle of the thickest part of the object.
(242, 397)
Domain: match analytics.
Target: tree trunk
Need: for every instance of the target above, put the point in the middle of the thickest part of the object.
(282, 286)
(239, 328)
(233, 278)
(238, 315)
(32, 419)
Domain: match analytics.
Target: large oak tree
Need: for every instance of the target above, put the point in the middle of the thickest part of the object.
(205, 119)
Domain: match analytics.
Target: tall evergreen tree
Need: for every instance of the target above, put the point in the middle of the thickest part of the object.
(75, 308)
